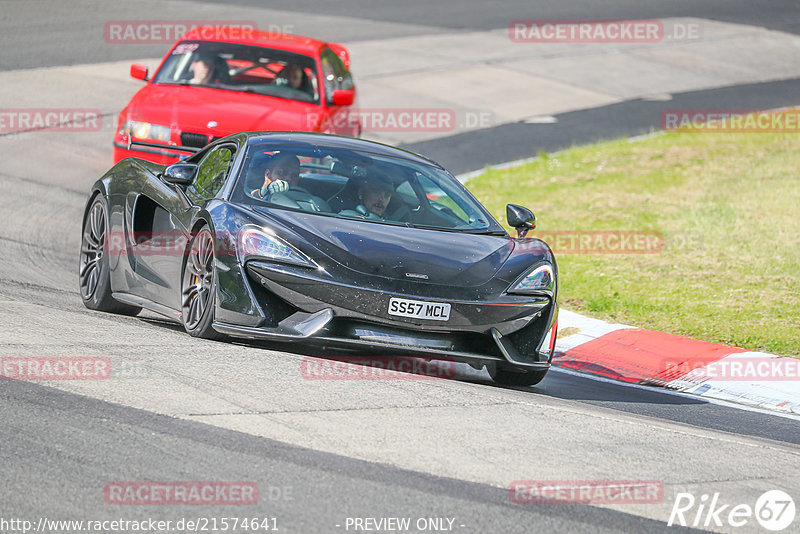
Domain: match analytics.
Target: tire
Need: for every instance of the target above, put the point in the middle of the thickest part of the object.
(94, 277)
(199, 286)
(507, 377)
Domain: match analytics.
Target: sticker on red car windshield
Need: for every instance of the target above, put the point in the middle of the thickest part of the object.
(185, 48)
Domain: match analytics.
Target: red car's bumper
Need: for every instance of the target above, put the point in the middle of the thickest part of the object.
(162, 157)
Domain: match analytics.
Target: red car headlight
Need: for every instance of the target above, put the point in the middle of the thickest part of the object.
(145, 130)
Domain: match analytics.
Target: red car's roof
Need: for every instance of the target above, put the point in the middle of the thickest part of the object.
(239, 35)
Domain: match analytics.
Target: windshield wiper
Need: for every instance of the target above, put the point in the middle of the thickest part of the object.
(486, 232)
(457, 230)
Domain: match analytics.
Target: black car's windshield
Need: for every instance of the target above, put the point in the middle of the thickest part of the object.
(359, 185)
(243, 68)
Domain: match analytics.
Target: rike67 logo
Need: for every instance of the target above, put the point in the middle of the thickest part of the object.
(774, 510)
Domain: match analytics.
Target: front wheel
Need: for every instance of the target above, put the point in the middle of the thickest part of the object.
(199, 287)
(93, 268)
(514, 377)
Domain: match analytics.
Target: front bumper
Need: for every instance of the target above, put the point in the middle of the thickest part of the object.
(313, 328)
(509, 329)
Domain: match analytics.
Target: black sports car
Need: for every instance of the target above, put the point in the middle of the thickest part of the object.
(322, 239)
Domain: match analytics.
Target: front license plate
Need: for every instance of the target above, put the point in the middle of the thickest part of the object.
(435, 311)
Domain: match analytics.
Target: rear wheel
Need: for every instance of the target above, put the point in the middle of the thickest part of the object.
(93, 269)
(199, 287)
(514, 377)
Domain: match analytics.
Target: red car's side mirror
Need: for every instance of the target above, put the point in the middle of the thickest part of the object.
(139, 72)
(343, 97)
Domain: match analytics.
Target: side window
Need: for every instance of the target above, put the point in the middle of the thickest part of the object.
(439, 199)
(211, 174)
(334, 73)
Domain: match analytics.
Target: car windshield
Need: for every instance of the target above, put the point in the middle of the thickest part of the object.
(243, 68)
(338, 182)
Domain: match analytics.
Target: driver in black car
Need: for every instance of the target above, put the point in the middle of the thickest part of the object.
(282, 186)
(282, 172)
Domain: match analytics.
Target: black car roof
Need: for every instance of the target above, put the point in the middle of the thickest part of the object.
(337, 141)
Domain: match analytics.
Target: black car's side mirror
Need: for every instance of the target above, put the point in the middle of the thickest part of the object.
(180, 173)
(520, 218)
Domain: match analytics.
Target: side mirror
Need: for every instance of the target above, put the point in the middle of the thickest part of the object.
(342, 52)
(139, 72)
(179, 173)
(343, 97)
(520, 218)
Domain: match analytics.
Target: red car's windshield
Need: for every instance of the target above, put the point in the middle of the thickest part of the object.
(243, 68)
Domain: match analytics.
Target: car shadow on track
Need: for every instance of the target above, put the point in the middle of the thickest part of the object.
(336, 363)
(659, 404)
(573, 386)
(322, 362)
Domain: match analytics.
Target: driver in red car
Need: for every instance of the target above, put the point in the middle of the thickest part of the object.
(282, 172)
(202, 70)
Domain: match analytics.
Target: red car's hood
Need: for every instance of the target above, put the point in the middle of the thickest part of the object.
(190, 109)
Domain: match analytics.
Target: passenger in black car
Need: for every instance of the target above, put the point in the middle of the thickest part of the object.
(374, 195)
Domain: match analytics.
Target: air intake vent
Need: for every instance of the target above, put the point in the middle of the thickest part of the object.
(194, 139)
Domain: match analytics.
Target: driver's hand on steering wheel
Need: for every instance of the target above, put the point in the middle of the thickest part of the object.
(276, 186)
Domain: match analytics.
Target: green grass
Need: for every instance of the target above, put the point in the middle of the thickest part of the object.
(727, 205)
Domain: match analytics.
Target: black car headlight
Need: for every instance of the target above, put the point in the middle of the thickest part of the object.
(539, 279)
(257, 242)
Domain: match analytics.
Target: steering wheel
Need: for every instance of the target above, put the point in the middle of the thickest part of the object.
(282, 199)
(286, 200)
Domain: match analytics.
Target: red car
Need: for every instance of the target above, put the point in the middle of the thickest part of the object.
(237, 81)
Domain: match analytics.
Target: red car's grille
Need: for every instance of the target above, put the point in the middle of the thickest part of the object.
(194, 139)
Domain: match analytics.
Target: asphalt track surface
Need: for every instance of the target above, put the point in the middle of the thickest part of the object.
(520, 140)
(323, 452)
(39, 33)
